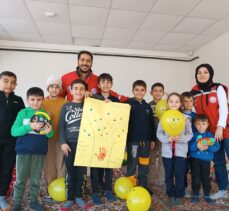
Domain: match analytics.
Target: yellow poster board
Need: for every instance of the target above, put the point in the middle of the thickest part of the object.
(103, 132)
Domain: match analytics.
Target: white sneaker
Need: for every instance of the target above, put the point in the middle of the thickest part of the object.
(219, 194)
(187, 193)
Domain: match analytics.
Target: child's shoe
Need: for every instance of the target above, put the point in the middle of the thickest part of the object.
(219, 194)
(178, 201)
(172, 201)
(81, 203)
(110, 197)
(195, 199)
(209, 200)
(95, 199)
(187, 193)
(3, 204)
(35, 206)
(16, 207)
(67, 205)
(49, 200)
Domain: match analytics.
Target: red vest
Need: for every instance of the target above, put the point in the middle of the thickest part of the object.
(92, 82)
(206, 102)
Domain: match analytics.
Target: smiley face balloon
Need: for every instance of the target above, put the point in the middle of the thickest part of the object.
(161, 108)
(173, 122)
(138, 199)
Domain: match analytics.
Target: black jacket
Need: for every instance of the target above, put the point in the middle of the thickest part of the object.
(9, 108)
(141, 123)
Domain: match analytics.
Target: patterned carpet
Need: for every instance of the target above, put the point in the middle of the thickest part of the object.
(159, 201)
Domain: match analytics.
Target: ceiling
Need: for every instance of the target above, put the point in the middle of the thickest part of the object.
(159, 25)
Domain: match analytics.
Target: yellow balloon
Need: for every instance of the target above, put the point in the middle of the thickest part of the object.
(57, 190)
(173, 122)
(138, 199)
(161, 107)
(122, 187)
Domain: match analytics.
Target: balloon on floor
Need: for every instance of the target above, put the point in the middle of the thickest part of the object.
(138, 199)
(122, 186)
(57, 190)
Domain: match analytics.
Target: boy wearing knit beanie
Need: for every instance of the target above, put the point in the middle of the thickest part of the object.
(54, 163)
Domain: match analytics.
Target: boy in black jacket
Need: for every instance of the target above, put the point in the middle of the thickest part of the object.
(10, 105)
(141, 135)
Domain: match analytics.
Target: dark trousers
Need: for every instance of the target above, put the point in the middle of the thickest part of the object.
(186, 172)
(96, 177)
(138, 155)
(174, 166)
(75, 175)
(7, 163)
(200, 170)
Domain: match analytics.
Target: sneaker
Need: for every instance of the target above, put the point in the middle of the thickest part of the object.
(172, 201)
(95, 199)
(178, 201)
(36, 207)
(81, 203)
(16, 207)
(67, 205)
(49, 200)
(187, 193)
(4, 206)
(220, 194)
(110, 197)
(209, 200)
(195, 199)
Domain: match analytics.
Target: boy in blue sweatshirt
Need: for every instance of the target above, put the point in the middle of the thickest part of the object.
(31, 148)
(201, 154)
(141, 134)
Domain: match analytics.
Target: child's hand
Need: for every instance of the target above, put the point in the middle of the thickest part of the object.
(36, 125)
(65, 148)
(170, 139)
(199, 146)
(107, 100)
(152, 145)
(47, 128)
(205, 147)
(88, 94)
(176, 138)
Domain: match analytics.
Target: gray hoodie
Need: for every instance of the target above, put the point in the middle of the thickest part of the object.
(181, 147)
(69, 123)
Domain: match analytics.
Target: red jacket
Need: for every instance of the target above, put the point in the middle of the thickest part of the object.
(92, 82)
(206, 102)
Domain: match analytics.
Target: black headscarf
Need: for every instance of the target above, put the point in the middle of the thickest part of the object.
(204, 86)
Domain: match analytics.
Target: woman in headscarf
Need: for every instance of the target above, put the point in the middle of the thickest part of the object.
(211, 99)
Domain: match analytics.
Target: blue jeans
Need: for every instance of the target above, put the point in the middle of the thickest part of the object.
(220, 165)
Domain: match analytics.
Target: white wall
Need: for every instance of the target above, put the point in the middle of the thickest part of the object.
(33, 68)
(215, 53)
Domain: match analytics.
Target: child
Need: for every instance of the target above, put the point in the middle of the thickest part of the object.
(69, 125)
(141, 133)
(10, 105)
(54, 162)
(105, 83)
(187, 106)
(201, 155)
(156, 171)
(31, 148)
(174, 153)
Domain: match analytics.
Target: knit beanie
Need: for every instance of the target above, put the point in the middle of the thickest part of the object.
(205, 85)
(51, 80)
